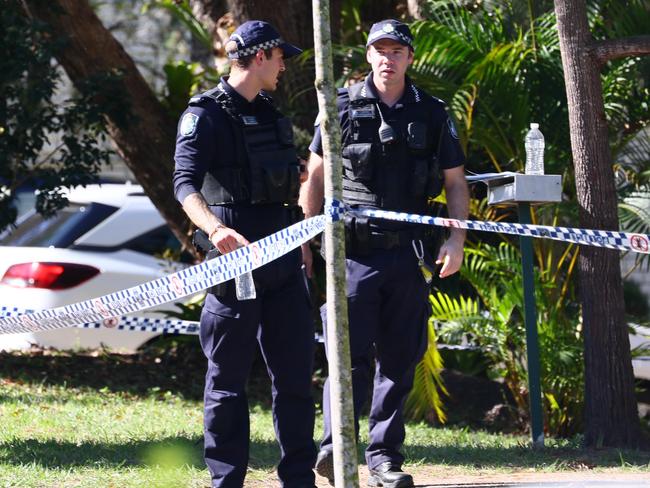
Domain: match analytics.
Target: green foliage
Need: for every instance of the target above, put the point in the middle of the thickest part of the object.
(45, 143)
(633, 182)
(425, 397)
(497, 77)
(184, 79)
(493, 321)
(181, 11)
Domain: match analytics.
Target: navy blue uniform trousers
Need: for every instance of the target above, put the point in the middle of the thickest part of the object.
(279, 319)
(388, 312)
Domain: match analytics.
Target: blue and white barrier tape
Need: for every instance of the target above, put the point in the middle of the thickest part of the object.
(223, 268)
(171, 287)
(623, 241)
(144, 324)
(125, 323)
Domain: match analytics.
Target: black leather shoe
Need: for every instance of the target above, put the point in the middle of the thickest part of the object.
(389, 476)
(325, 465)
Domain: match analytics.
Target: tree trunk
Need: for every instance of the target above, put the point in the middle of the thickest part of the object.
(142, 130)
(611, 417)
(346, 473)
(415, 9)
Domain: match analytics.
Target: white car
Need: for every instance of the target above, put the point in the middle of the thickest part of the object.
(107, 239)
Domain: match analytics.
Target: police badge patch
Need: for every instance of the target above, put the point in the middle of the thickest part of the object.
(452, 128)
(188, 124)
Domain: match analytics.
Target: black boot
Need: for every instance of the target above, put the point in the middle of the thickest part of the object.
(389, 476)
(325, 465)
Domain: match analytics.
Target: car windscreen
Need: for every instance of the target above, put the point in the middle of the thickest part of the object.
(60, 230)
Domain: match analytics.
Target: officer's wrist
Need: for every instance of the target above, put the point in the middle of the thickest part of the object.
(215, 230)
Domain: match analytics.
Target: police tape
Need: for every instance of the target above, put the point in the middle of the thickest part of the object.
(114, 307)
(622, 241)
(171, 287)
(127, 323)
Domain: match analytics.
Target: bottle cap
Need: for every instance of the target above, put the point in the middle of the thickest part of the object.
(534, 125)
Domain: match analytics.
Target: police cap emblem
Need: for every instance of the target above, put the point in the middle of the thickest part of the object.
(188, 124)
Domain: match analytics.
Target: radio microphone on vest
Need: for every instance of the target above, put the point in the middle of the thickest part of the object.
(386, 133)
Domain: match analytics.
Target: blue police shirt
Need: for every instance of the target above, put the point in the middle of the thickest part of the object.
(205, 137)
(450, 153)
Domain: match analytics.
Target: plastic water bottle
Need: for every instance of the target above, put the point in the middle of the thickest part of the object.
(245, 286)
(534, 143)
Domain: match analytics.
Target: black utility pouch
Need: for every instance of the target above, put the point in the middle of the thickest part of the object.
(362, 235)
(357, 235)
(416, 142)
(416, 138)
(202, 242)
(357, 159)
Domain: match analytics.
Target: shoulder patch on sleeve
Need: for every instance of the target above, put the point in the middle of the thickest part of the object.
(188, 124)
(452, 128)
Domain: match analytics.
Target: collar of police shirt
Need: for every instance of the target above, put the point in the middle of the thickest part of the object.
(261, 100)
(411, 93)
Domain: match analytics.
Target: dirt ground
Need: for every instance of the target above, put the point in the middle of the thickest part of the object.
(440, 477)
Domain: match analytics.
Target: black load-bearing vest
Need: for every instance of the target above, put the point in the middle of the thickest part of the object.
(266, 168)
(401, 175)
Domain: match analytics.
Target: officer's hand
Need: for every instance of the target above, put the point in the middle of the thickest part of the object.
(227, 240)
(307, 258)
(450, 256)
(304, 172)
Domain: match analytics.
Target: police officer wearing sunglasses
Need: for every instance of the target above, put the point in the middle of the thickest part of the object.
(399, 150)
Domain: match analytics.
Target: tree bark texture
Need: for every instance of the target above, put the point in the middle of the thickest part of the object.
(415, 10)
(338, 337)
(611, 417)
(143, 132)
(621, 48)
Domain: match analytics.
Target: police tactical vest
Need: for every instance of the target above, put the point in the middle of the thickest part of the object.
(400, 175)
(266, 169)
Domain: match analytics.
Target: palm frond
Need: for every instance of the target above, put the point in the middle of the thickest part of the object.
(428, 386)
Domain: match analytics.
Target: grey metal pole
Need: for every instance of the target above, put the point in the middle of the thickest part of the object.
(530, 320)
(338, 339)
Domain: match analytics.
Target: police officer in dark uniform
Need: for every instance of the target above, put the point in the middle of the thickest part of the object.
(399, 149)
(237, 176)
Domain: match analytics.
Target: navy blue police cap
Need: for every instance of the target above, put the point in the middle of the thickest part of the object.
(254, 35)
(390, 29)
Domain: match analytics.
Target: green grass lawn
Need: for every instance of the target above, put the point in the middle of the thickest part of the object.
(93, 421)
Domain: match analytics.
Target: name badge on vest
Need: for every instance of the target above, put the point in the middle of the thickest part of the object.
(366, 112)
(249, 119)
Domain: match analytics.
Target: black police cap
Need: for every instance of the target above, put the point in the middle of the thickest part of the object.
(390, 29)
(254, 35)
